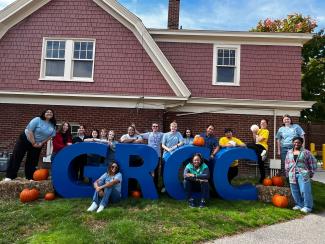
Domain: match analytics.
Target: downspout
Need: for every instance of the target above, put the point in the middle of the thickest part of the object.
(274, 134)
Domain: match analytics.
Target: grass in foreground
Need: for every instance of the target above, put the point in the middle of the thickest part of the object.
(137, 221)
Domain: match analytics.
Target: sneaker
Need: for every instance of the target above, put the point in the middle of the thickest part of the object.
(101, 208)
(6, 179)
(92, 207)
(163, 190)
(202, 203)
(305, 210)
(263, 155)
(296, 208)
(191, 203)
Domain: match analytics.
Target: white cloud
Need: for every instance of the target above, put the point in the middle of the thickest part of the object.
(220, 14)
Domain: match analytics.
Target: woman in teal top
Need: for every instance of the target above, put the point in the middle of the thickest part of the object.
(196, 178)
(37, 133)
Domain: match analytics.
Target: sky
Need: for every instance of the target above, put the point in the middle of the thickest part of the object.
(231, 15)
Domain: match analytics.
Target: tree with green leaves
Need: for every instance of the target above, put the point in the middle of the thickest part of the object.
(313, 77)
(313, 57)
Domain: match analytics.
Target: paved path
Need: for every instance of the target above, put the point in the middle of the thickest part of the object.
(309, 229)
(320, 176)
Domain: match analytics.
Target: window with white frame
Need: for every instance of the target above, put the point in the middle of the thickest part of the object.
(68, 60)
(226, 65)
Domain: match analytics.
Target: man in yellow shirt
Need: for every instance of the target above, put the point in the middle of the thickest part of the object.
(230, 141)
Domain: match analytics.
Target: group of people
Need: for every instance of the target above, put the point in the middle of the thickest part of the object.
(298, 163)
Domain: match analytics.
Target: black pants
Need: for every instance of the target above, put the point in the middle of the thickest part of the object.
(21, 147)
(232, 173)
(258, 150)
(78, 165)
(156, 174)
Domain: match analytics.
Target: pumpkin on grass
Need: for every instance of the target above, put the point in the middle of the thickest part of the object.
(136, 194)
(41, 174)
(280, 201)
(277, 181)
(49, 196)
(198, 141)
(267, 182)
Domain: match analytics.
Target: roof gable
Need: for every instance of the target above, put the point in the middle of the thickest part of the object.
(21, 9)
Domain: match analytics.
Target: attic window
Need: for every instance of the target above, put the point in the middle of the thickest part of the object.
(226, 67)
(67, 60)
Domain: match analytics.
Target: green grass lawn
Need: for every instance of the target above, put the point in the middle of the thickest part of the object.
(138, 221)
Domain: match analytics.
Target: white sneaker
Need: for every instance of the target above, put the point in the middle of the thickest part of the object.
(296, 208)
(92, 207)
(305, 210)
(101, 208)
(6, 179)
(163, 190)
(263, 155)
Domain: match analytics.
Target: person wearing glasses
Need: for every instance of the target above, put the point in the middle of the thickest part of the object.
(154, 138)
(107, 187)
(31, 140)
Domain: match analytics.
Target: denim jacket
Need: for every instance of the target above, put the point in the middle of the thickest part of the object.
(305, 165)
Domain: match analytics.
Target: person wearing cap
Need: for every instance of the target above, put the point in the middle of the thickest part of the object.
(229, 141)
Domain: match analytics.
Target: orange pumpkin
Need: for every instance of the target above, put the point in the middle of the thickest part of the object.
(277, 181)
(35, 193)
(198, 141)
(267, 182)
(136, 194)
(41, 174)
(28, 195)
(25, 196)
(49, 196)
(280, 201)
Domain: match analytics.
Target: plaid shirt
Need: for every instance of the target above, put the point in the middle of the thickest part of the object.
(305, 165)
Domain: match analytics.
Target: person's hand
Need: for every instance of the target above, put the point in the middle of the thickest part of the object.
(279, 152)
(101, 193)
(98, 188)
(202, 180)
(38, 145)
(189, 175)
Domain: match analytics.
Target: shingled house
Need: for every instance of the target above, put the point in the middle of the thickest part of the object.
(96, 64)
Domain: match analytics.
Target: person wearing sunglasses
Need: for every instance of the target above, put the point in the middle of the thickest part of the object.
(154, 139)
(107, 187)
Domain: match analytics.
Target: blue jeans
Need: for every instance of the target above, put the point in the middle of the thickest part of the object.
(301, 192)
(196, 186)
(108, 193)
(283, 151)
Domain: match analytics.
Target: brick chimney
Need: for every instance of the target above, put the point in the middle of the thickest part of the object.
(173, 14)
